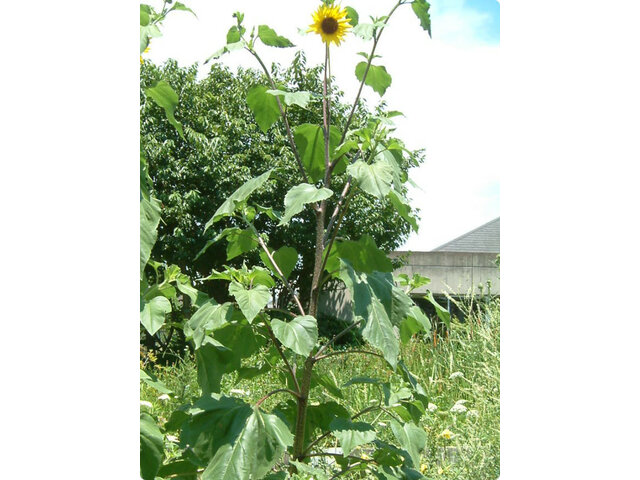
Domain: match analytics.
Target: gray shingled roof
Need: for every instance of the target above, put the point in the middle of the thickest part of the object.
(485, 238)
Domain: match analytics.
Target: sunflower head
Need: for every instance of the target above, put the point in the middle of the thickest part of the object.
(331, 23)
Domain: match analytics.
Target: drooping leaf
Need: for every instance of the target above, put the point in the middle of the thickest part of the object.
(443, 313)
(378, 331)
(285, 257)
(252, 300)
(264, 107)
(223, 354)
(299, 196)
(149, 220)
(299, 335)
(416, 321)
(412, 438)
(363, 255)
(151, 447)
(162, 93)
(147, 32)
(255, 449)
(152, 313)
(240, 195)
(351, 434)
(402, 207)
(309, 140)
(301, 99)
(374, 179)
(209, 317)
(421, 9)
(377, 77)
(271, 38)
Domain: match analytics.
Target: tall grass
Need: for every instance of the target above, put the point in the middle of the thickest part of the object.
(461, 374)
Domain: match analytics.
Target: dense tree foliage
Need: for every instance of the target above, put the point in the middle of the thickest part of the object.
(222, 148)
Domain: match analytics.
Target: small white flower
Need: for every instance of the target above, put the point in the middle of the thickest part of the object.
(238, 391)
(172, 438)
(458, 408)
(455, 375)
(473, 413)
(144, 403)
(382, 424)
(164, 397)
(431, 407)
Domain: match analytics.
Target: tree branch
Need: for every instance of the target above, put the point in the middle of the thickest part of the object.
(346, 352)
(259, 402)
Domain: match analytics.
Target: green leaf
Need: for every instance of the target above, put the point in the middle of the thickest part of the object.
(234, 34)
(153, 312)
(251, 301)
(364, 31)
(151, 447)
(256, 448)
(149, 220)
(374, 179)
(183, 7)
(352, 15)
(239, 242)
(309, 140)
(240, 195)
(378, 331)
(351, 434)
(151, 380)
(442, 312)
(377, 77)
(412, 438)
(271, 38)
(285, 257)
(299, 335)
(421, 9)
(299, 196)
(363, 255)
(144, 15)
(163, 95)
(402, 207)
(301, 99)
(264, 107)
(415, 322)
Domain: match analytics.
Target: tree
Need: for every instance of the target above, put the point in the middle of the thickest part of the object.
(223, 147)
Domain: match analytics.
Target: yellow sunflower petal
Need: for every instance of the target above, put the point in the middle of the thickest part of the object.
(331, 23)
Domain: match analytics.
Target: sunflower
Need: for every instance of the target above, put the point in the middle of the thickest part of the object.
(331, 23)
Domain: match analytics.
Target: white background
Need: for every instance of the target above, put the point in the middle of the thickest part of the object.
(568, 149)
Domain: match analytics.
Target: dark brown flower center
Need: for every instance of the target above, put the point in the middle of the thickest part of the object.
(329, 25)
